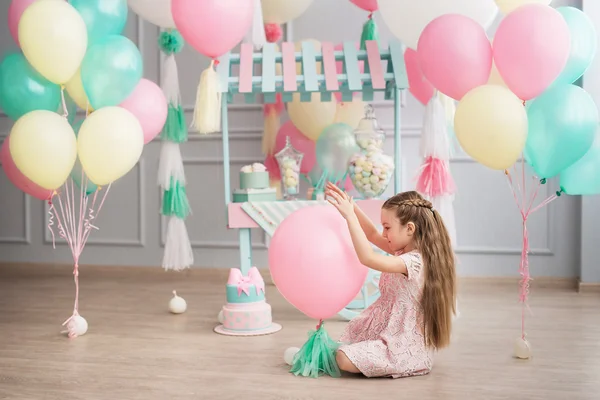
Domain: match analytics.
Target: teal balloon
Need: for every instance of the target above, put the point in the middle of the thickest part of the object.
(102, 17)
(334, 148)
(23, 89)
(110, 71)
(562, 127)
(77, 174)
(583, 177)
(583, 44)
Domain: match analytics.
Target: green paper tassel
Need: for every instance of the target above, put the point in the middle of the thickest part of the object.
(175, 129)
(317, 355)
(369, 32)
(170, 42)
(175, 201)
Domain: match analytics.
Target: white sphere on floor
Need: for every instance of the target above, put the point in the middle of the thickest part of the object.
(77, 326)
(288, 355)
(177, 305)
(220, 317)
(522, 349)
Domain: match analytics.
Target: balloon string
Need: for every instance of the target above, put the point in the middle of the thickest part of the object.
(51, 223)
(64, 101)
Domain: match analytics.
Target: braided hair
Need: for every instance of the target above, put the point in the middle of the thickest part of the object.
(432, 240)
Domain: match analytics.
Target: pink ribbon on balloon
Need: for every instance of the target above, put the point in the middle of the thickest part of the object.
(243, 283)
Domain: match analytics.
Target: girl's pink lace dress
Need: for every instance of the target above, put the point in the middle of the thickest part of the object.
(386, 340)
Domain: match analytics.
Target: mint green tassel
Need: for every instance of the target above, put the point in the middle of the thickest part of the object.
(369, 32)
(170, 42)
(175, 201)
(175, 129)
(317, 356)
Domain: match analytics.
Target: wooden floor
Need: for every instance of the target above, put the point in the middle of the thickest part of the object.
(135, 349)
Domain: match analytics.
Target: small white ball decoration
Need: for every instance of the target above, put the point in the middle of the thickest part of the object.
(220, 316)
(522, 349)
(288, 355)
(77, 326)
(177, 305)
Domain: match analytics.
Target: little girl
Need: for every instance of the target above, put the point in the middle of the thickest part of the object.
(396, 336)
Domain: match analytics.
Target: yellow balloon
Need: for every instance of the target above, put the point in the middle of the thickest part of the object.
(491, 125)
(350, 112)
(507, 6)
(312, 117)
(282, 11)
(75, 89)
(53, 37)
(44, 148)
(110, 143)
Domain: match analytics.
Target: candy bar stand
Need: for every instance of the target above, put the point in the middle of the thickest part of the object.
(384, 71)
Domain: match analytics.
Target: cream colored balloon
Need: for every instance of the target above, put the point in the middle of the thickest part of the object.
(312, 117)
(77, 92)
(282, 11)
(350, 112)
(44, 148)
(507, 6)
(298, 48)
(491, 126)
(110, 143)
(53, 38)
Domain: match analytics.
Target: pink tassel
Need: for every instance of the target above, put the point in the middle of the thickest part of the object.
(435, 178)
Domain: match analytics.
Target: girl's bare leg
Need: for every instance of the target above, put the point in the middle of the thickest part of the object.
(345, 364)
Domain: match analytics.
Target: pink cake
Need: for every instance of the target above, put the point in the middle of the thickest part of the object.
(246, 312)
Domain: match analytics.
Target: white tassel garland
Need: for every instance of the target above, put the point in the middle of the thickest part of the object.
(170, 165)
(178, 253)
(257, 35)
(170, 80)
(207, 112)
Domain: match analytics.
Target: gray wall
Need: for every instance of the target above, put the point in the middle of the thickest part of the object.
(131, 230)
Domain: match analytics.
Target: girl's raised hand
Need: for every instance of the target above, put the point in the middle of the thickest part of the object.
(341, 201)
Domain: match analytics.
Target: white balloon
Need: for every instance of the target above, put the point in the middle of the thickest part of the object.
(283, 11)
(406, 19)
(157, 12)
(507, 6)
(288, 355)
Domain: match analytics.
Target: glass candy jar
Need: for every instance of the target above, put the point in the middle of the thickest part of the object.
(289, 160)
(370, 169)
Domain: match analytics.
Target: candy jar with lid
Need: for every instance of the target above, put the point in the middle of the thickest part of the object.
(289, 160)
(370, 169)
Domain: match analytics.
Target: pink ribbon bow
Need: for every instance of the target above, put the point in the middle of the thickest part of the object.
(243, 283)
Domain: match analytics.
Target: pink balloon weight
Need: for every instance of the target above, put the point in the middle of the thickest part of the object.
(418, 85)
(313, 263)
(367, 5)
(213, 27)
(300, 142)
(17, 178)
(15, 10)
(339, 66)
(455, 54)
(148, 103)
(531, 48)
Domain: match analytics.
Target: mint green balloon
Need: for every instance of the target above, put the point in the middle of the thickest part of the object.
(23, 89)
(583, 177)
(102, 17)
(77, 174)
(583, 44)
(110, 71)
(562, 127)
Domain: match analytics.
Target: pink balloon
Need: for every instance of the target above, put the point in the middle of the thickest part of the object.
(213, 27)
(148, 103)
(531, 48)
(367, 5)
(17, 178)
(455, 54)
(418, 85)
(300, 142)
(272, 168)
(313, 263)
(339, 66)
(15, 10)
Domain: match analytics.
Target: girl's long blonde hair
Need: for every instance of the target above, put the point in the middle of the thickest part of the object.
(432, 240)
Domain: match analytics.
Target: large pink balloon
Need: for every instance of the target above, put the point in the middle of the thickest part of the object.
(272, 167)
(418, 85)
(300, 142)
(15, 10)
(148, 103)
(531, 48)
(213, 27)
(455, 54)
(17, 178)
(313, 263)
(367, 5)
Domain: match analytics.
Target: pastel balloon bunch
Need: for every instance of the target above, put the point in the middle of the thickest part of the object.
(73, 54)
